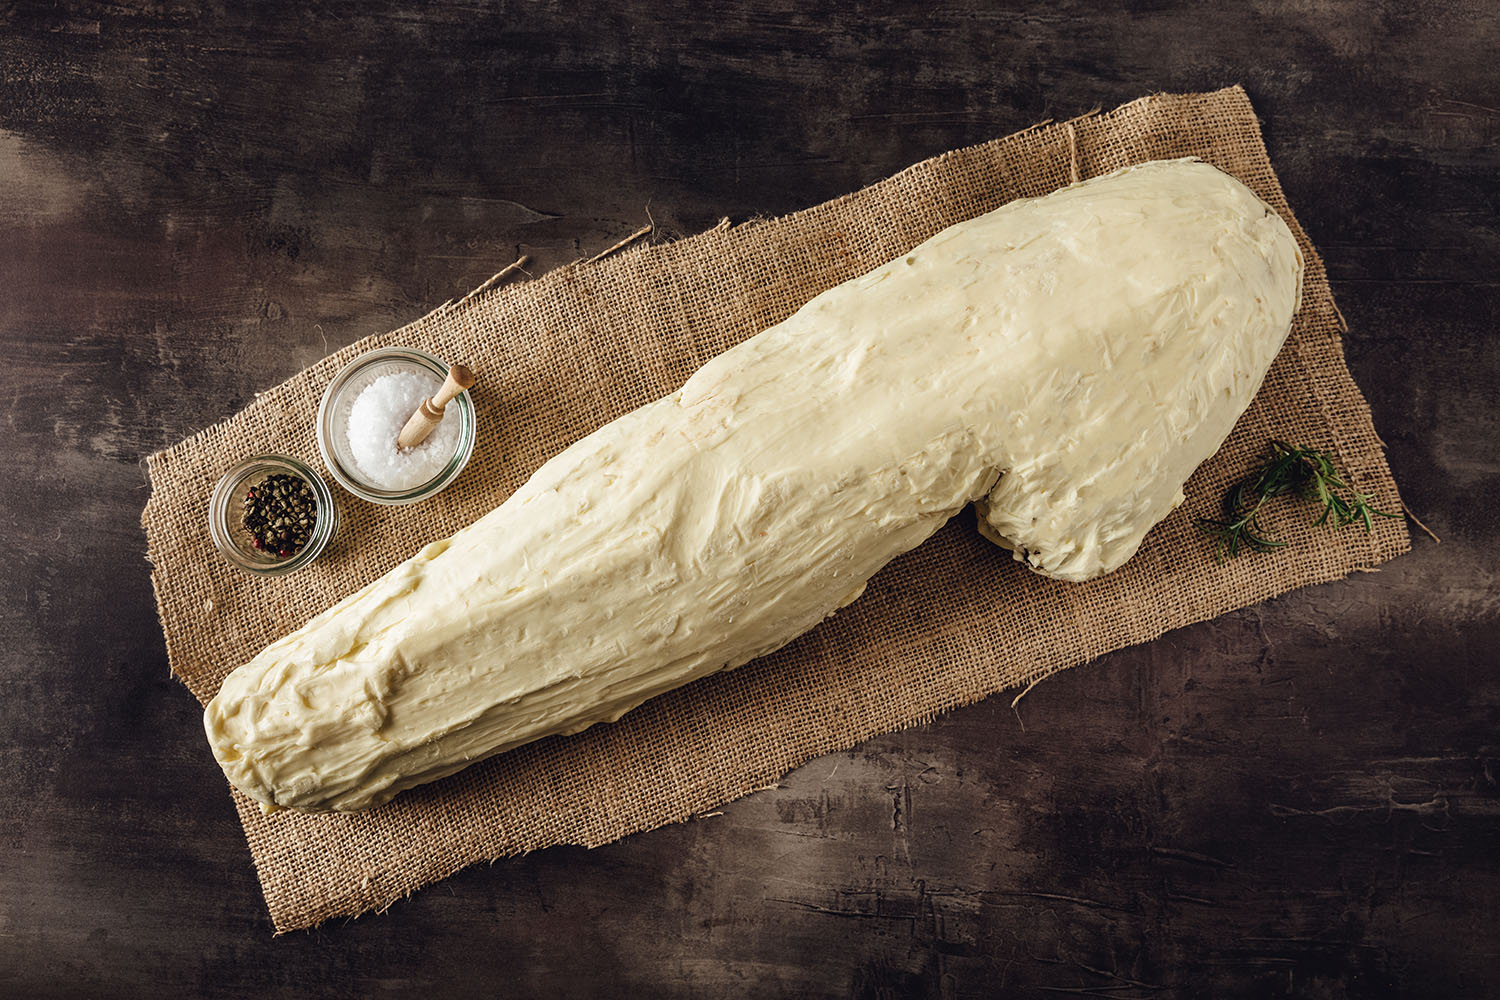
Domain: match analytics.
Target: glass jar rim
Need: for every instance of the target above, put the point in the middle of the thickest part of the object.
(220, 530)
(347, 478)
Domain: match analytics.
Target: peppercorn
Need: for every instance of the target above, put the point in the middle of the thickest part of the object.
(280, 512)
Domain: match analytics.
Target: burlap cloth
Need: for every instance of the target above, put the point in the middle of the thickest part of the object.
(950, 623)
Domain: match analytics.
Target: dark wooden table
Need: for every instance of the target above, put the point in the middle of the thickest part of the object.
(1297, 799)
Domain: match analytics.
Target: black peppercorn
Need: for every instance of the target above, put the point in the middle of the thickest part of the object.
(280, 512)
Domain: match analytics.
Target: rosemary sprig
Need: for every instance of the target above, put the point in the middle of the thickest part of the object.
(1290, 471)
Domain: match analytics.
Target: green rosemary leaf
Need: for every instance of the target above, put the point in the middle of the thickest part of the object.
(1289, 471)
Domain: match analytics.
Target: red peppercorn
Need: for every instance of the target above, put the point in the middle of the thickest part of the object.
(256, 543)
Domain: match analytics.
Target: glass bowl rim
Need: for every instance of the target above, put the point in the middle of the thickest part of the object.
(218, 512)
(468, 429)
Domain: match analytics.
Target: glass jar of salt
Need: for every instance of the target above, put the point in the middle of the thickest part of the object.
(363, 413)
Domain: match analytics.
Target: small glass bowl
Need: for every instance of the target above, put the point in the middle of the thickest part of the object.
(333, 411)
(233, 541)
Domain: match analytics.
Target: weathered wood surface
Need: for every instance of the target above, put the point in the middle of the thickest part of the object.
(1299, 799)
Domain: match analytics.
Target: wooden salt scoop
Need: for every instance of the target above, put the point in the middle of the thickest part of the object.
(430, 413)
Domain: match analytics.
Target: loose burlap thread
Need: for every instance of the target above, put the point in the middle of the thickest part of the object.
(948, 624)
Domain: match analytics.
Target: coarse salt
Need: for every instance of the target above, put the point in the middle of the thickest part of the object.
(374, 421)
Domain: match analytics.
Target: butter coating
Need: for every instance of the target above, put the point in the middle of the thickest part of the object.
(1066, 362)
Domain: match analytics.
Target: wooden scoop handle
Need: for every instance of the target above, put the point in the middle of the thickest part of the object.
(430, 413)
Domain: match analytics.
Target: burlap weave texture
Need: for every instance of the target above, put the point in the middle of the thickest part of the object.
(948, 624)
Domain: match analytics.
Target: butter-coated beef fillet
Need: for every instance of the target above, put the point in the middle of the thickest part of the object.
(1065, 361)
